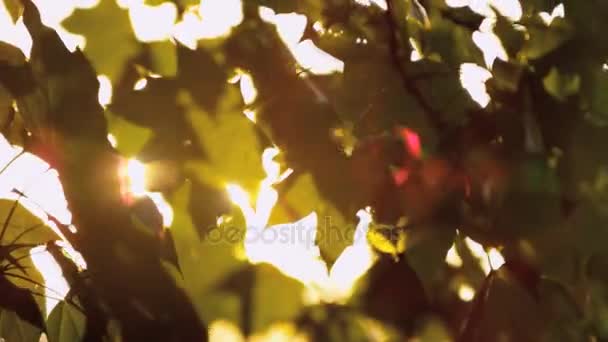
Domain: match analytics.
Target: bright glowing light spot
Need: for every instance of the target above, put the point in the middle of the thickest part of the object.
(266, 14)
(164, 208)
(271, 167)
(510, 9)
(213, 19)
(221, 15)
(32, 176)
(87, 3)
(136, 173)
(224, 331)
(559, 11)
(480, 254)
(491, 47)
(248, 90)
(71, 40)
(133, 175)
(14, 34)
(457, 3)
(466, 293)
(236, 77)
(290, 28)
(379, 3)
(105, 90)
(475, 247)
(112, 140)
(318, 26)
(250, 114)
(473, 79)
(416, 54)
(299, 257)
(152, 23)
(496, 258)
(186, 30)
(452, 258)
(52, 13)
(140, 84)
(352, 264)
(279, 332)
(315, 60)
(57, 286)
(240, 197)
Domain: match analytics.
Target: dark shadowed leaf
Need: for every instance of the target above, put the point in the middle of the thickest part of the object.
(65, 324)
(13, 328)
(18, 306)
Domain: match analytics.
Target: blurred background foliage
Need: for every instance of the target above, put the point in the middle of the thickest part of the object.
(465, 139)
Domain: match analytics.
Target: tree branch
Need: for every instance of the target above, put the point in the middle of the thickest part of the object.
(401, 68)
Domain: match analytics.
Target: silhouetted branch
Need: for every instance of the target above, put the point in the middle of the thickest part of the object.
(401, 68)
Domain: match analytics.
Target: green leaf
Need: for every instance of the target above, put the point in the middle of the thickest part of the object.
(506, 75)
(451, 43)
(156, 107)
(393, 293)
(561, 85)
(21, 302)
(65, 324)
(14, 8)
(217, 249)
(504, 307)
(545, 39)
(598, 94)
(60, 87)
(230, 143)
(163, 57)
(426, 250)
(110, 38)
(203, 76)
(273, 287)
(12, 328)
(23, 230)
(130, 138)
(22, 227)
(389, 240)
(334, 231)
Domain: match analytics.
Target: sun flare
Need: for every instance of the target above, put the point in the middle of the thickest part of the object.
(299, 258)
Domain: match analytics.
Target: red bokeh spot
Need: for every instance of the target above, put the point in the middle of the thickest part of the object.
(412, 142)
(400, 176)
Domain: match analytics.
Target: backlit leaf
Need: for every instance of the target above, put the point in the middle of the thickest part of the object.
(110, 38)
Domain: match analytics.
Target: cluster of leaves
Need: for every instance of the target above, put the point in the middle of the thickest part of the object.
(526, 174)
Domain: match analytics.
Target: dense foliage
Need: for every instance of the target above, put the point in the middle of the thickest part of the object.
(395, 130)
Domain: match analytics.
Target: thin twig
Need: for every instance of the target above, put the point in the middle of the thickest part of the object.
(25, 231)
(33, 282)
(12, 161)
(408, 83)
(65, 300)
